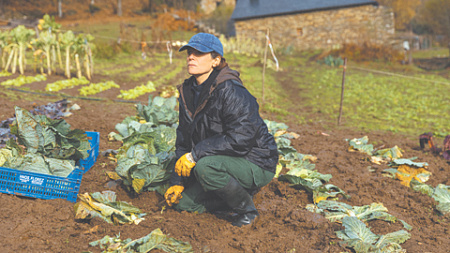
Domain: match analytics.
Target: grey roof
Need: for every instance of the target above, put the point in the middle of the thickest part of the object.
(247, 9)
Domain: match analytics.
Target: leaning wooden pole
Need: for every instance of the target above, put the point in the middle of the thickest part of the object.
(264, 65)
(342, 91)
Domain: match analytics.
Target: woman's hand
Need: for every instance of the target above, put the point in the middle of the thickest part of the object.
(173, 194)
(184, 165)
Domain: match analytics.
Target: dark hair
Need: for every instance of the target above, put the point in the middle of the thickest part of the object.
(223, 63)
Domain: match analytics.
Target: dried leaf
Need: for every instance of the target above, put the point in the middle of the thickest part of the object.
(113, 175)
(104, 205)
(91, 230)
(138, 184)
(406, 173)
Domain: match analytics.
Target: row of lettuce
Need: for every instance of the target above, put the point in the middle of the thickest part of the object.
(87, 88)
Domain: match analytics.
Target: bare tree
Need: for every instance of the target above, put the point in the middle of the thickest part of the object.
(436, 14)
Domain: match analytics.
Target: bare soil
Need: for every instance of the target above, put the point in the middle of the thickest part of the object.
(35, 225)
(433, 63)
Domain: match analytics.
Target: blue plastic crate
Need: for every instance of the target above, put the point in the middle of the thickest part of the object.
(94, 140)
(42, 186)
(36, 185)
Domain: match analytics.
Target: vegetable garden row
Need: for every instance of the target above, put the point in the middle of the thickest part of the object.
(146, 156)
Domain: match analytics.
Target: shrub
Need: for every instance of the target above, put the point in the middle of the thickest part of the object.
(368, 51)
(93, 8)
(107, 50)
(103, 50)
(219, 19)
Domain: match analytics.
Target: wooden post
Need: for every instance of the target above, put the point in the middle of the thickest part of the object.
(60, 14)
(119, 8)
(264, 64)
(342, 91)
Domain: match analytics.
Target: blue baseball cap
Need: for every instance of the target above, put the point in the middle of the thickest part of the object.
(205, 43)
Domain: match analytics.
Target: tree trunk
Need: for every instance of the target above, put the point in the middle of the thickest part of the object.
(3, 58)
(8, 63)
(60, 8)
(58, 51)
(88, 69)
(53, 52)
(68, 62)
(48, 56)
(91, 62)
(77, 62)
(14, 65)
(21, 57)
(119, 8)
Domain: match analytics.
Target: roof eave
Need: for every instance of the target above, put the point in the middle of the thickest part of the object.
(305, 11)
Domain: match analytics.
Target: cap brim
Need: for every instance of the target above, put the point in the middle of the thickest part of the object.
(196, 46)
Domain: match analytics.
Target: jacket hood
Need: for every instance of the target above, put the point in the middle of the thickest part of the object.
(228, 74)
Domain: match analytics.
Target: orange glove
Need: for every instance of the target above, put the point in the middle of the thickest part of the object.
(184, 165)
(173, 194)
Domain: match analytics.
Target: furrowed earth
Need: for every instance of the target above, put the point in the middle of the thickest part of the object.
(284, 225)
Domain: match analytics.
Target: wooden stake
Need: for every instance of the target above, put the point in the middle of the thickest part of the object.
(264, 65)
(342, 91)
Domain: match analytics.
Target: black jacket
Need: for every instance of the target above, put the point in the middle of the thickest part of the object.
(226, 122)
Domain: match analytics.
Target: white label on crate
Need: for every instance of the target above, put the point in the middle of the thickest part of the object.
(34, 180)
(37, 180)
(24, 178)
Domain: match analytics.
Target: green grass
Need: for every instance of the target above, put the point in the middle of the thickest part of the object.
(378, 101)
(431, 53)
(174, 68)
(133, 30)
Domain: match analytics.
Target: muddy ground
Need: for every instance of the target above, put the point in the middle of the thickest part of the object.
(35, 225)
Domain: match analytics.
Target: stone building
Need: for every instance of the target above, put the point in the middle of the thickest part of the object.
(208, 6)
(313, 24)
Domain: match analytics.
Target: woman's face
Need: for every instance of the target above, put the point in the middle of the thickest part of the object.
(200, 64)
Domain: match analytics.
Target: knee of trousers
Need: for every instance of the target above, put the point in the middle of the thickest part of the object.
(208, 166)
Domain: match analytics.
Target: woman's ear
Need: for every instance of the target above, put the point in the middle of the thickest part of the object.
(216, 61)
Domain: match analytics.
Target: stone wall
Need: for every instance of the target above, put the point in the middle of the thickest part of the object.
(323, 29)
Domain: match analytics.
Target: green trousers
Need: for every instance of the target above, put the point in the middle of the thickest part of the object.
(214, 172)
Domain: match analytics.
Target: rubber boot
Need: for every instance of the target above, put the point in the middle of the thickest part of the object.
(240, 201)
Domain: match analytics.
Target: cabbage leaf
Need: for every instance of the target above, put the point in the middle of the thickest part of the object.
(335, 211)
(442, 195)
(105, 206)
(51, 146)
(155, 240)
(358, 236)
(360, 145)
(146, 159)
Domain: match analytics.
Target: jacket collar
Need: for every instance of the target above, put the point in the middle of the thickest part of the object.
(222, 76)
